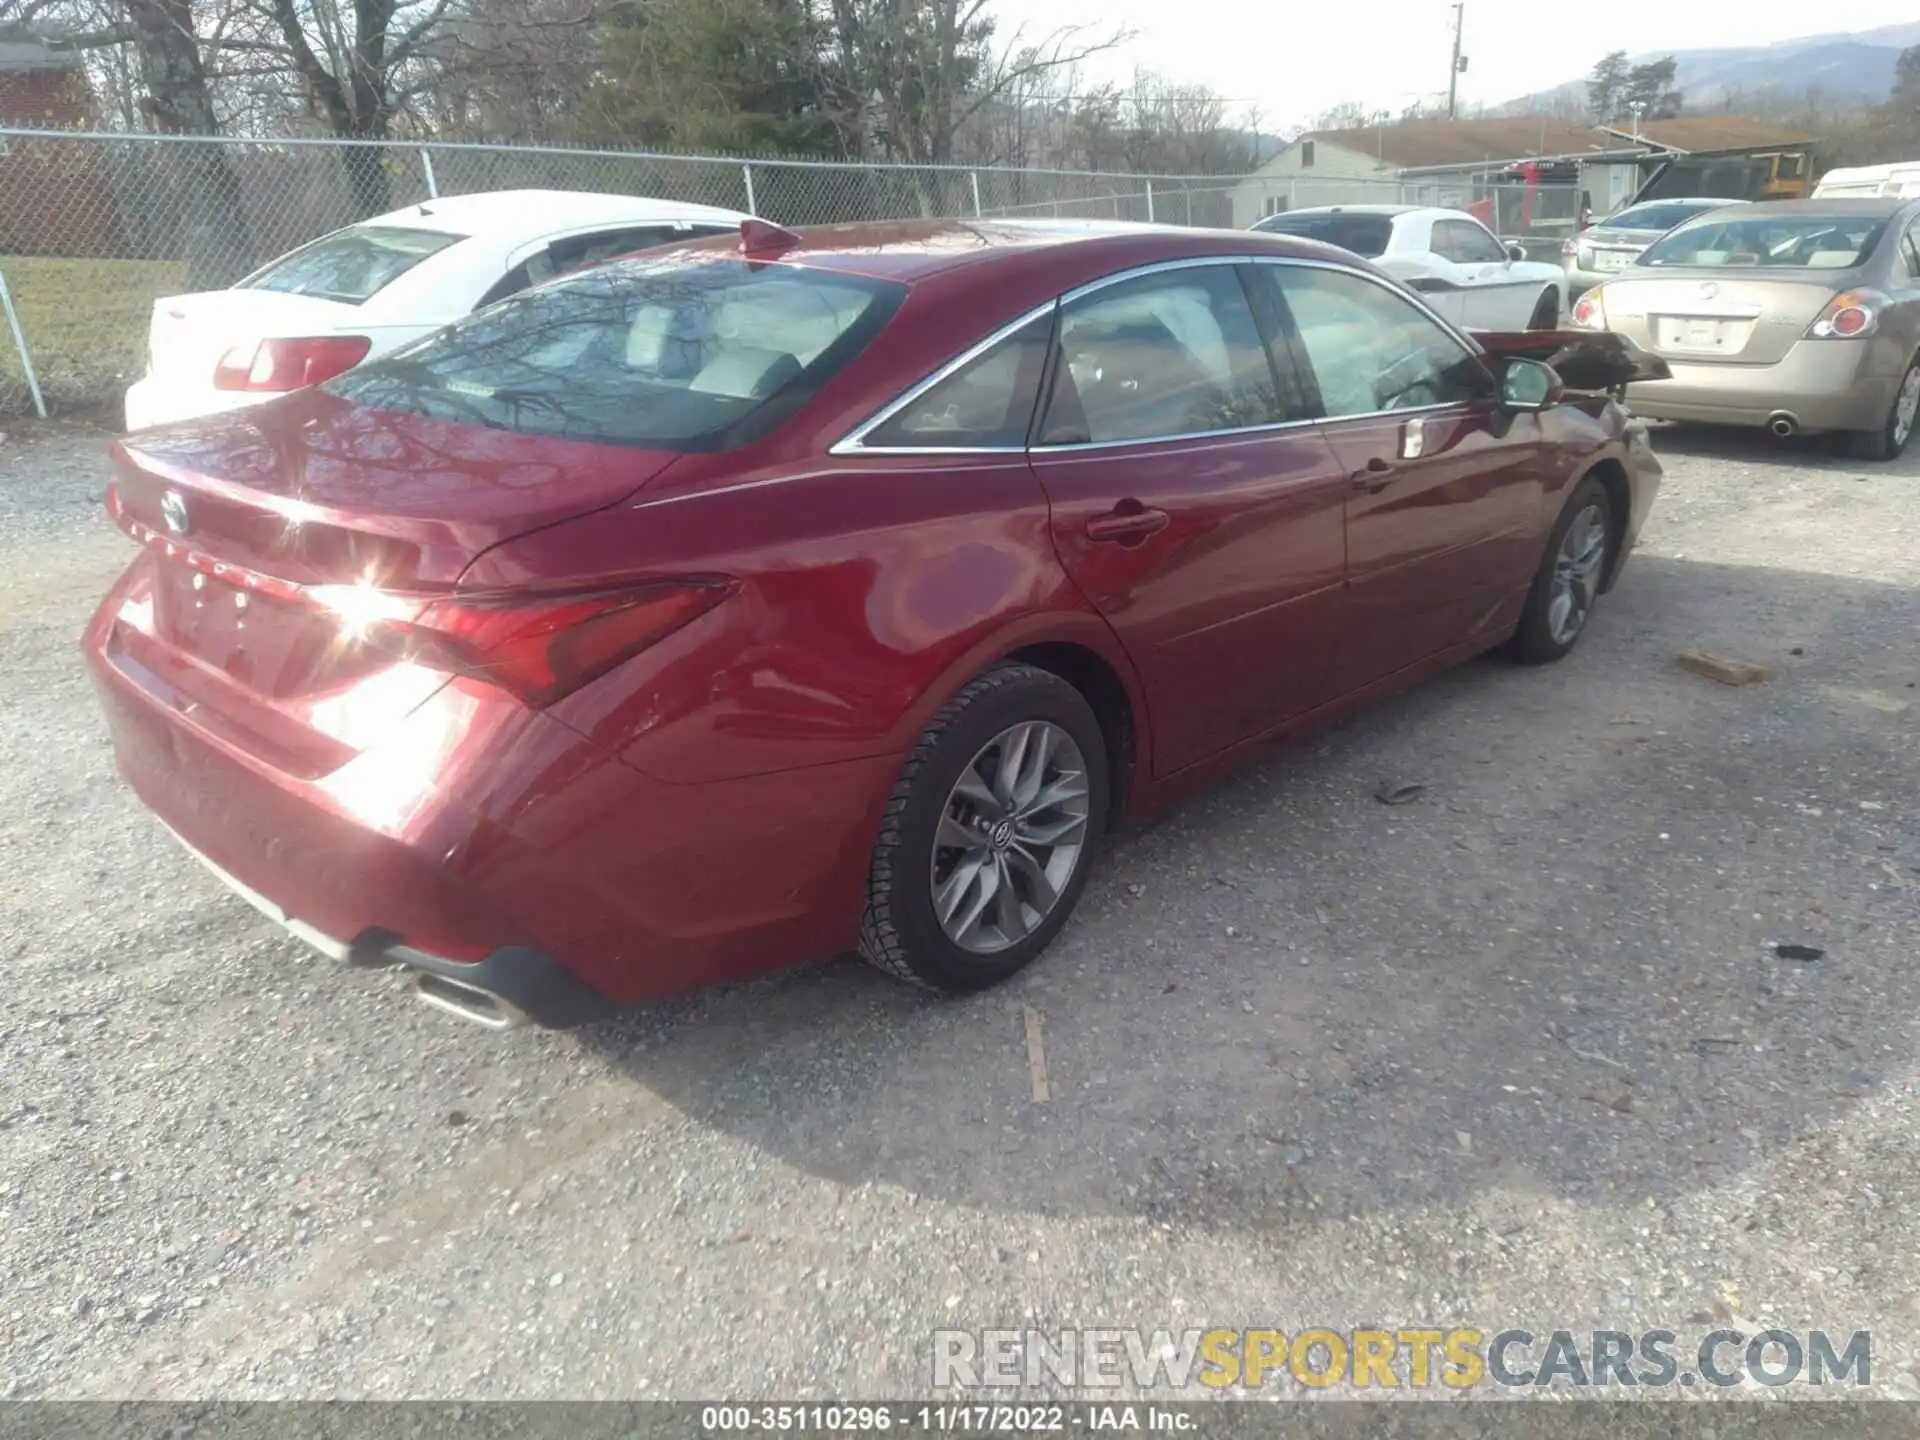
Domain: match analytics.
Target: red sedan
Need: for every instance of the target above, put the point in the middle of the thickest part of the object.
(719, 609)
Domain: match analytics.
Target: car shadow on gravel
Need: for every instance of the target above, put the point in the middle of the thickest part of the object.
(1552, 973)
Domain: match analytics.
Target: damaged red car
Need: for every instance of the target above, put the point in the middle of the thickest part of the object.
(723, 608)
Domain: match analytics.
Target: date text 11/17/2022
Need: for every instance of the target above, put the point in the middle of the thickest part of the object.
(956, 1419)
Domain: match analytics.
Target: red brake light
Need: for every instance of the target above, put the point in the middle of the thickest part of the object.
(279, 365)
(1589, 313)
(1849, 315)
(539, 647)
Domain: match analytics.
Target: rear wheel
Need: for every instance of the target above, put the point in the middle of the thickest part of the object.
(1891, 438)
(1568, 581)
(1546, 311)
(989, 833)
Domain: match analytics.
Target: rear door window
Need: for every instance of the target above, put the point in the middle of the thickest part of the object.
(657, 352)
(987, 404)
(1160, 356)
(350, 266)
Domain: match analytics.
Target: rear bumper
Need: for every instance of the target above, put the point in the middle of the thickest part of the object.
(1820, 383)
(496, 847)
(518, 984)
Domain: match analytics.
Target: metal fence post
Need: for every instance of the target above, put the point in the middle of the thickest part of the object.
(426, 167)
(20, 345)
(1150, 202)
(1186, 190)
(746, 174)
(974, 177)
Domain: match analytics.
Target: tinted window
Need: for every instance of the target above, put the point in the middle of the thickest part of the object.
(1790, 240)
(987, 402)
(1371, 349)
(1661, 215)
(1911, 248)
(1174, 353)
(650, 351)
(351, 265)
(1466, 243)
(1365, 235)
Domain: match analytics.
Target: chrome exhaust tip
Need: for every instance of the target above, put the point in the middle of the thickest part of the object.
(1783, 424)
(468, 1002)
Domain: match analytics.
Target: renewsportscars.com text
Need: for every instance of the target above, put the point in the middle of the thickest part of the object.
(1409, 1357)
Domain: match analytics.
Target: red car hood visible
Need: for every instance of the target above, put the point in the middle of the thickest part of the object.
(314, 488)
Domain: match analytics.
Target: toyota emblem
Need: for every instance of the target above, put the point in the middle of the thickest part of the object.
(1709, 290)
(173, 510)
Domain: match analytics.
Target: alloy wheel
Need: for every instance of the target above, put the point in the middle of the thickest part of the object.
(1576, 574)
(1906, 406)
(1011, 836)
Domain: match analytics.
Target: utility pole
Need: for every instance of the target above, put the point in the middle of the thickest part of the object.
(1459, 61)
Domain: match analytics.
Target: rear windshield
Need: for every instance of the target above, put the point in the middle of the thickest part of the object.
(654, 352)
(1364, 235)
(1795, 241)
(350, 265)
(1661, 215)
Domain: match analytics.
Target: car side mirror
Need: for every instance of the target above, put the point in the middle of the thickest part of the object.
(1516, 252)
(1529, 386)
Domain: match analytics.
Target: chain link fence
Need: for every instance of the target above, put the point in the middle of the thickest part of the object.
(94, 228)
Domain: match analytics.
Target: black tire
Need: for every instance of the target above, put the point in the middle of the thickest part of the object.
(1546, 311)
(1535, 641)
(900, 931)
(1886, 443)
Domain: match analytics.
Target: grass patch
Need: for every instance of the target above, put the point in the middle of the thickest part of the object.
(85, 323)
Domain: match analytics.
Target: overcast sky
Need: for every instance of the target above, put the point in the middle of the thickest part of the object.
(1294, 60)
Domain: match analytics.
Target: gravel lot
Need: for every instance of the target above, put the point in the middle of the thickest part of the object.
(1518, 1052)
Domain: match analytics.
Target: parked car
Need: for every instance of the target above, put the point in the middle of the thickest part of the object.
(361, 292)
(1799, 315)
(1605, 249)
(1892, 182)
(1455, 262)
(724, 607)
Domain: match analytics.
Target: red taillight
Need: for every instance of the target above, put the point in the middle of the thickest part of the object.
(277, 365)
(539, 647)
(1589, 313)
(1848, 316)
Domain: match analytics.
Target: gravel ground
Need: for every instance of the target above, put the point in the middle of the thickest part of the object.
(1516, 1053)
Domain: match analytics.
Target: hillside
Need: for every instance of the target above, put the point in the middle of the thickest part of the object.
(1848, 67)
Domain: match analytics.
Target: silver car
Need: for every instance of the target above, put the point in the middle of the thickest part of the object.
(1610, 245)
(1796, 315)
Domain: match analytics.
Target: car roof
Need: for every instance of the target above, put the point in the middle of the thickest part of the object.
(1683, 200)
(542, 212)
(1877, 206)
(911, 250)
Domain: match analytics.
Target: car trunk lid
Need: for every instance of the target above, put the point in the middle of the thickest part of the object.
(1709, 316)
(272, 532)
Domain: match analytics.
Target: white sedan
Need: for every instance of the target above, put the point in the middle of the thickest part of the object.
(370, 288)
(1456, 264)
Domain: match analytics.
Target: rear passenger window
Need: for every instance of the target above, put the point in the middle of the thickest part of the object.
(986, 404)
(1160, 356)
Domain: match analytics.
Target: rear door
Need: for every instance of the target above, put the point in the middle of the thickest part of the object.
(1444, 489)
(1194, 503)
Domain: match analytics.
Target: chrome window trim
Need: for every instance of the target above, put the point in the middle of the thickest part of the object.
(852, 444)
